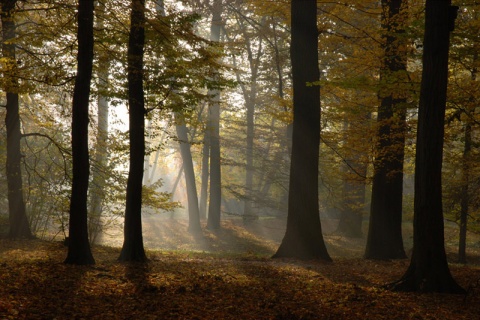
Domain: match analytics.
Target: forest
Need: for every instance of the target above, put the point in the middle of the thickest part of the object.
(239, 159)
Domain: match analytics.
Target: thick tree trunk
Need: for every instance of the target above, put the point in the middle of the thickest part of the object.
(19, 226)
(428, 270)
(214, 205)
(79, 247)
(133, 249)
(385, 229)
(303, 237)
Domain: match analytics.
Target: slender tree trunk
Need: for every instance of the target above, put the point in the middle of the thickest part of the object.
(353, 193)
(101, 148)
(465, 200)
(19, 226)
(205, 174)
(303, 237)
(271, 173)
(251, 100)
(194, 226)
(351, 218)
(133, 249)
(146, 159)
(79, 247)
(249, 192)
(214, 205)
(385, 229)
(193, 211)
(428, 270)
(250, 97)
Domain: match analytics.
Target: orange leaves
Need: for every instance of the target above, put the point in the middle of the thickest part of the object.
(191, 285)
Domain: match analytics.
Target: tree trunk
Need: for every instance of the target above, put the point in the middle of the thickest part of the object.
(19, 226)
(133, 249)
(101, 148)
(249, 192)
(146, 159)
(351, 216)
(205, 174)
(250, 102)
(303, 237)
(353, 193)
(466, 159)
(428, 270)
(385, 229)
(78, 246)
(214, 205)
(194, 226)
(465, 199)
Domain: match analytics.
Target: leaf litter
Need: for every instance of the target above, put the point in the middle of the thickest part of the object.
(191, 284)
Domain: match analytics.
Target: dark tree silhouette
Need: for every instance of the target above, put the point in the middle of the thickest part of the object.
(303, 238)
(78, 246)
(19, 227)
(385, 229)
(133, 249)
(428, 270)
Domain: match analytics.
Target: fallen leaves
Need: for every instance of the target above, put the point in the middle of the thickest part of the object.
(35, 284)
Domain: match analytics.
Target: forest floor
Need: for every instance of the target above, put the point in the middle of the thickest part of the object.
(226, 274)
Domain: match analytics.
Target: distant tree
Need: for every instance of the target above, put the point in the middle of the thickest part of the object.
(303, 237)
(133, 249)
(428, 270)
(99, 168)
(194, 226)
(460, 169)
(78, 246)
(19, 226)
(213, 131)
(385, 229)
(465, 198)
(205, 174)
(353, 193)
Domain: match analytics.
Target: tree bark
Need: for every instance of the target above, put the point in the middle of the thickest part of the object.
(385, 239)
(205, 175)
(194, 226)
(465, 199)
(133, 249)
(466, 167)
(101, 148)
(428, 270)
(78, 245)
(214, 205)
(18, 220)
(303, 237)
